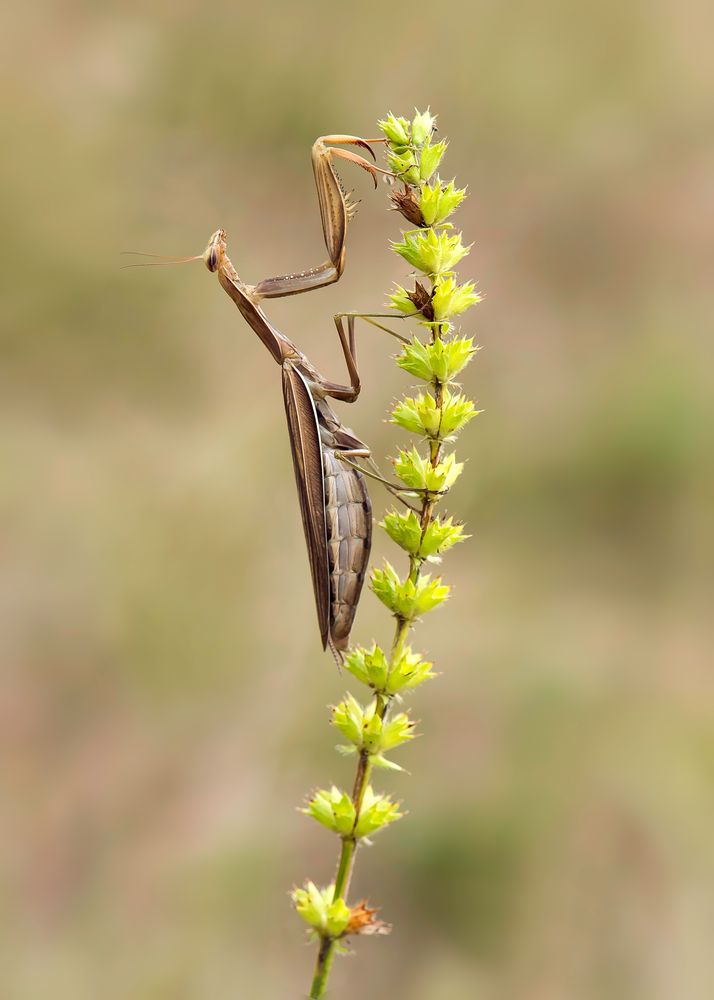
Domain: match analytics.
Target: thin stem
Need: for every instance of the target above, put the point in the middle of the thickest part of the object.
(322, 968)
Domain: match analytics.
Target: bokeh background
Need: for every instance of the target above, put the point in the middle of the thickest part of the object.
(163, 694)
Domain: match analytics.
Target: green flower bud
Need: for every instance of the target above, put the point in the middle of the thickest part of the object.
(439, 361)
(420, 415)
(417, 472)
(338, 917)
(450, 299)
(430, 158)
(370, 666)
(316, 907)
(400, 300)
(311, 904)
(396, 731)
(377, 811)
(404, 166)
(404, 598)
(437, 202)
(423, 415)
(349, 718)
(413, 303)
(409, 672)
(334, 809)
(456, 411)
(404, 528)
(396, 130)
(435, 254)
(372, 735)
(366, 730)
(440, 536)
(422, 127)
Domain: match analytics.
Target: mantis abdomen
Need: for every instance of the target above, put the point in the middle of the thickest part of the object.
(348, 517)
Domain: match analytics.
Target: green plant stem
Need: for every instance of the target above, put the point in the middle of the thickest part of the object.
(322, 967)
(348, 850)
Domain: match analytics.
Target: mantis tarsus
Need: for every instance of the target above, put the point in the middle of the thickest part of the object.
(334, 502)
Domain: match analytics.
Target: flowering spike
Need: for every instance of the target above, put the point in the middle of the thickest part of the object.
(430, 303)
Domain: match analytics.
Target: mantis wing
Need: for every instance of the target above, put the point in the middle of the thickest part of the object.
(309, 476)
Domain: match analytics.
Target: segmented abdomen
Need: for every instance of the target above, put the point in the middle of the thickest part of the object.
(348, 514)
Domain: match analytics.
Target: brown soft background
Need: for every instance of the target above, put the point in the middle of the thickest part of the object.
(163, 694)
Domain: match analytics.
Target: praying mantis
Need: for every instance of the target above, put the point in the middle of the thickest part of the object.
(334, 501)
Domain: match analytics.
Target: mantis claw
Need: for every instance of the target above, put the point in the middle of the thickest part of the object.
(365, 145)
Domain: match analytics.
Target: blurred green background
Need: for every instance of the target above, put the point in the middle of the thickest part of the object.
(163, 697)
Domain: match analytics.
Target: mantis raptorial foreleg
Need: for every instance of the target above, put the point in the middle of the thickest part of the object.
(336, 210)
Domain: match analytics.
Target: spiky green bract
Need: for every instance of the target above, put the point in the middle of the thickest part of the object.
(429, 159)
(434, 254)
(318, 909)
(408, 671)
(367, 731)
(404, 528)
(372, 668)
(440, 361)
(376, 812)
(407, 599)
(400, 300)
(334, 809)
(451, 299)
(434, 418)
(417, 472)
(410, 154)
(422, 126)
(404, 166)
(397, 131)
(438, 201)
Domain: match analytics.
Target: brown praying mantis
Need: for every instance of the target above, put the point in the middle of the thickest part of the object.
(334, 502)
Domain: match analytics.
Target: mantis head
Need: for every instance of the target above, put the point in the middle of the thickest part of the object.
(212, 256)
(215, 251)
